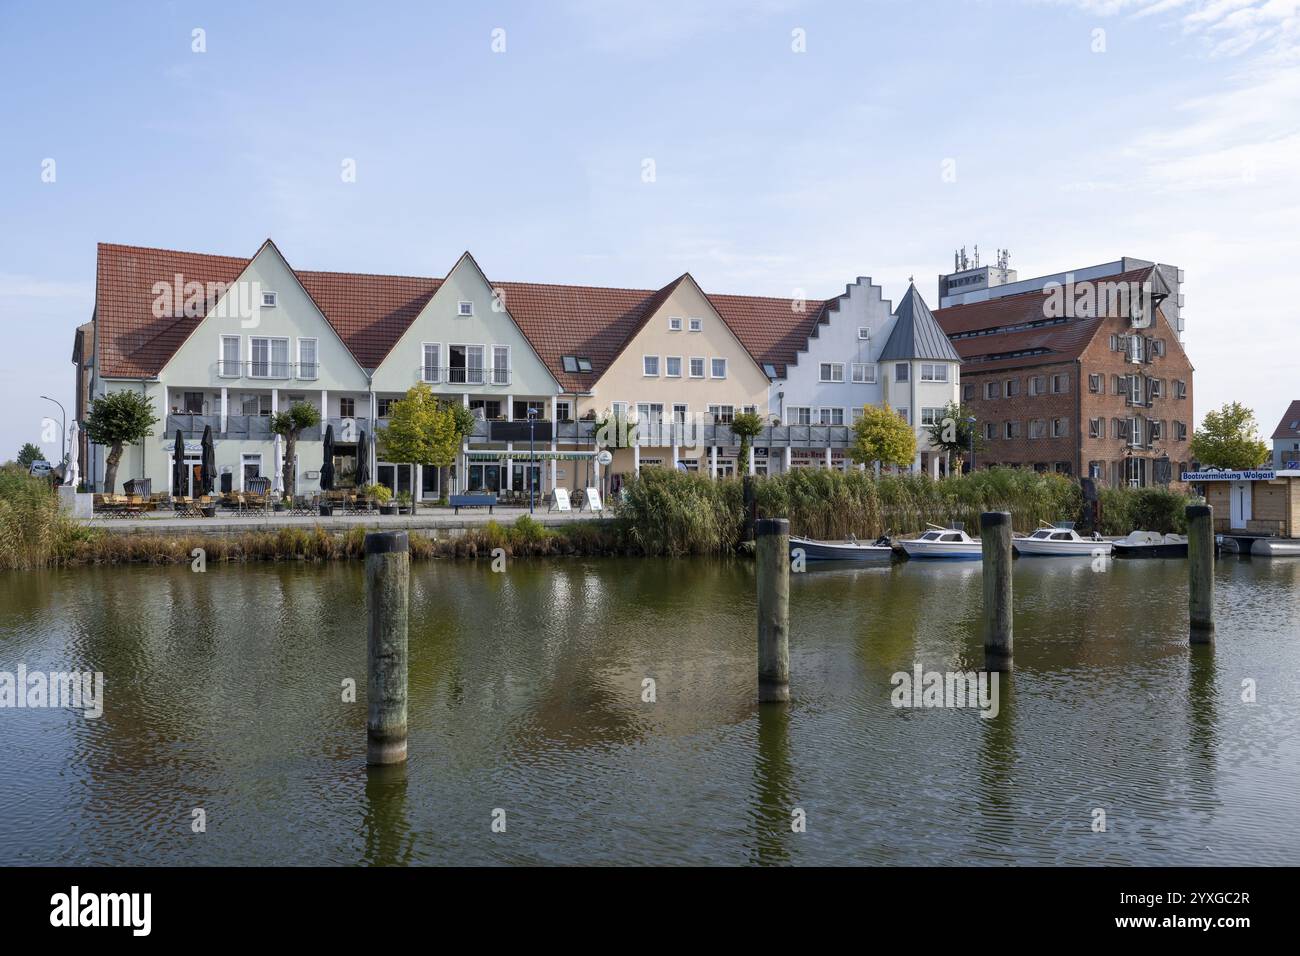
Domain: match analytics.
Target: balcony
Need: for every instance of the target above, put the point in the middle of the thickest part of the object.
(258, 428)
(270, 371)
(460, 375)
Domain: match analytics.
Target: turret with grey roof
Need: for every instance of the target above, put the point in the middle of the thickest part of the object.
(916, 333)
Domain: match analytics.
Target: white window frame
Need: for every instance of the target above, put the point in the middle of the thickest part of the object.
(460, 309)
(244, 461)
(864, 334)
(270, 341)
(668, 367)
(437, 362)
(685, 413)
(826, 416)
(695, 325)
(315, 343)
(222, 371)
(493, 370)
(868, 370)
(829, 377)
(674, 323)
(270, 300)
(713, 366)
(704, 365)
(934, 372)
(645, 366)
(794, 413)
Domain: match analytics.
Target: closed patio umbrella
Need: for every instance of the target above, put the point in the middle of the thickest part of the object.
(363, 461)
(180, 486)
(208, 462)
(327, 465)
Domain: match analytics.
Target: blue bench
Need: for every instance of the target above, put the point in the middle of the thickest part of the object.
(473, 501)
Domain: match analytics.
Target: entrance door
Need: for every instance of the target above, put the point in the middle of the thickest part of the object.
(1240, 491)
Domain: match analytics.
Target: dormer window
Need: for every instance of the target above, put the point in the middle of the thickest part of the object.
(269, 300)
(464, 309)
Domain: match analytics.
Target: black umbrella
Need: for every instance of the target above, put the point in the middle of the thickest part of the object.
(327, 465)
(363, 462)
(208, 462)
(179, 484)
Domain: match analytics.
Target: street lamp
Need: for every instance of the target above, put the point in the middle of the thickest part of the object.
(532, 454)
(971, 422)
(63, 441)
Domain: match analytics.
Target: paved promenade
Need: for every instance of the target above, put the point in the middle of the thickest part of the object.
(432, 519)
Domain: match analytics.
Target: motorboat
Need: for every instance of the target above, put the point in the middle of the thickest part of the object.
(950, 543)
(1151, 544)
(1060, 540)
(850, 549)
(1276, 547)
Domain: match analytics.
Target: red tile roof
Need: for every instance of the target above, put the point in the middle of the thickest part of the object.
(370, 313)
(1289, 426)
(1060, 342)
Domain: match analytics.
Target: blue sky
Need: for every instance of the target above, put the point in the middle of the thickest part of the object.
(1173, 134)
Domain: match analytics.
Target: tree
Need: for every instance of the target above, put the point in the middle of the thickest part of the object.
(461, 425)
(115, 420)
(28, 454)
(746, 426)
(419, 429)
(954, 432)
(880, 435)
(289, 425)
(1229, 438)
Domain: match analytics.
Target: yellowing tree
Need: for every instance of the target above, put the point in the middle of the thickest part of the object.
(881, 435)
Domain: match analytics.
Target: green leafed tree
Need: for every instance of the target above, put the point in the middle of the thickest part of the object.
(881, 435)
(1229, 438)
(746, 426)
(953, 433)
(290, 425)
(28, 454)
(116, 420)
(421, 430)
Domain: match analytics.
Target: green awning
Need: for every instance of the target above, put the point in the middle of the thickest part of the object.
(518, 455)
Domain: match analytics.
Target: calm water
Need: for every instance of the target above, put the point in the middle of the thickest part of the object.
(223, 692)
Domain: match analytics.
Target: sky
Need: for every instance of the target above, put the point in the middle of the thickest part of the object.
(768, 148)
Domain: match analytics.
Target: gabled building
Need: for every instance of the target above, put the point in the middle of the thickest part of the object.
(1286, 439)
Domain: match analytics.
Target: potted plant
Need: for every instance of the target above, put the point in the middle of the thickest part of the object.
(280, 504)
(382, 494)
(404, 503)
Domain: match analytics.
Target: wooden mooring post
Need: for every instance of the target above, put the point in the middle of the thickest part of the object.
(1200, 572)
(995, 545)
(388, 586)
(772, 558)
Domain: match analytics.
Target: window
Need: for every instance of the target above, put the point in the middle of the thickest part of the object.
(431, 371)
(649, 413)
(570, 363)
(857, 415)
(931, 416)
(521, 409)
(831, 372)
(1094, 383)
(1157, 430)
(992, 389)
(863, 334)
(864, 373)
(486, 408)
(1012, 387)
(673, 366)
(718, 368)
(269, 358)
(1180, 388)
(1180, 431)
(464, 309)
(830, 416)
(191, 403)
(800, 415)
(680, 413)
(269, 300)
(1037, 384)
(584, 364)
(675, 324)
(901, 372)
(256, 405)
(1011, 429)
(696, 324)
(990, 431)
(617, 409)
(722, 414)
(1094, 428)
(500, 365)
(1157, 387)
(228, 367)
(650, 366)
(697, 367)
(1060, 427)
(1037, 428)
(465, 364)
(382, 406)
(905, 414)
(934, 373)
(1060, 384)
(307, 367)
(967, 392)
(563, 410)
(347, 407)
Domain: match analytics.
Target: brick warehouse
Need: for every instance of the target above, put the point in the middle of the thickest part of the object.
(1103, 390)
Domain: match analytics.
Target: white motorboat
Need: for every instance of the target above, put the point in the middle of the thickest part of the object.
(850, 549)
(1151, 544)
(1060, 540)
(949, 543)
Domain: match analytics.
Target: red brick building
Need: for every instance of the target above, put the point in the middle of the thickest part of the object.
(1085, 379)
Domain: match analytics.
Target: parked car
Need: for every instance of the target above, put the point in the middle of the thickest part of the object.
(41, 469)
